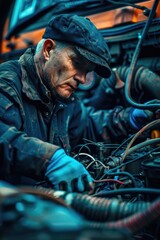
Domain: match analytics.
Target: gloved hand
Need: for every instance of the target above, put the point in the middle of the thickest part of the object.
(66, 173)
(139, 117)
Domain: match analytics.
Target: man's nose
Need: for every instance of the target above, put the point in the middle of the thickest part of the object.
(81, 78)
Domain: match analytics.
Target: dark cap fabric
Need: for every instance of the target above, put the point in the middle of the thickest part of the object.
(86, 38)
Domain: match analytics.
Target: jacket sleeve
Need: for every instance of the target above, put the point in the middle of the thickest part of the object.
(104, 96)
(99, 125)
(20, 154)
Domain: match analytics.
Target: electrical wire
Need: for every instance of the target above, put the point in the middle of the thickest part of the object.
(84, 154)
(144, 144)
(134, 160)
(121, 145)
(103, 165)
(108, 180)
(149, 125)
(81, 145)
(123, 174)
(128, 191)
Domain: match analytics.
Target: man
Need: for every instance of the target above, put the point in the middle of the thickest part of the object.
(40, 118)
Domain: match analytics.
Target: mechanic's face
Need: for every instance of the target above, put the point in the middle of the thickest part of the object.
(64, 70)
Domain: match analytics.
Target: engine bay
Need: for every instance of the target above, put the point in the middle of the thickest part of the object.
(125, 203)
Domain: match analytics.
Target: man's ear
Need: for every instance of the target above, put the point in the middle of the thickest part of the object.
(48, 45)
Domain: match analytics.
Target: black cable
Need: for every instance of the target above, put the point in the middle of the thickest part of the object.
(143, 144)
(121, 145)
(98, 144)
(128, 191)
(134, 160)
(123, 173)
(134, 60)
(80, 146)
(143, 8)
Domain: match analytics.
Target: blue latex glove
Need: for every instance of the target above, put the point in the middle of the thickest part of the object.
(139, 118)
(66, 173)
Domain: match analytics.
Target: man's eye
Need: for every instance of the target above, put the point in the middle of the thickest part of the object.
(76, 63)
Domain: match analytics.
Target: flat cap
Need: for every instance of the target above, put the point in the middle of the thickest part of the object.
(84, 35)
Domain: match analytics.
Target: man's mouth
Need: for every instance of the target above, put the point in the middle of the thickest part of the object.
(74, 87)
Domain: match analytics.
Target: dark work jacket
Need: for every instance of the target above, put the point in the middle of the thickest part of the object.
(33, 126)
